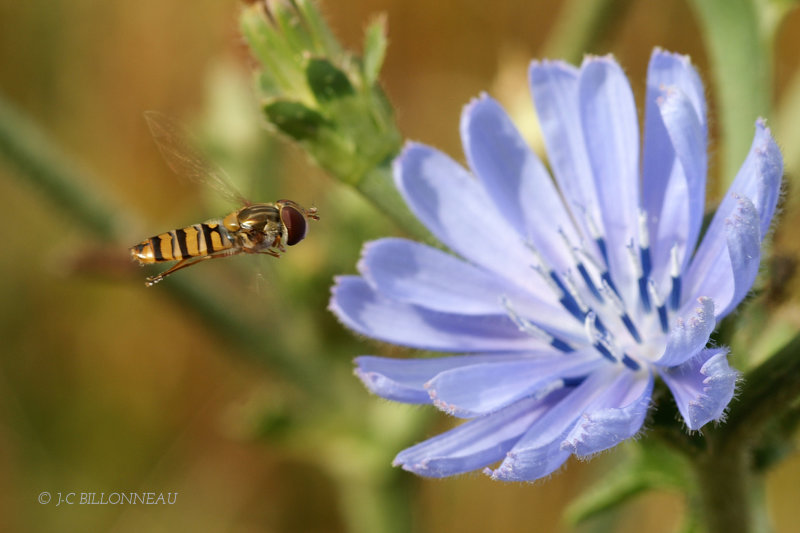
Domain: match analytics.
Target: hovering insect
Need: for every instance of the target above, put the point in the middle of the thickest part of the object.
(256, 228)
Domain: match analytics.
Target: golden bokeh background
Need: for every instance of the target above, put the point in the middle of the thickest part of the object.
(106, 386)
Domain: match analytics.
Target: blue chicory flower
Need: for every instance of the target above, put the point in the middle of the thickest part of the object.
(563, 300)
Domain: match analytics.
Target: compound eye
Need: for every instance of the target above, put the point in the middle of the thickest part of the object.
(295, 223)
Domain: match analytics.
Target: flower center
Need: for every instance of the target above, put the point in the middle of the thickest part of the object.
(625, 322)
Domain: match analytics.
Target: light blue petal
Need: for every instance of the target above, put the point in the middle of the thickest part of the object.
(403, 380)
(702, 387)
(744, 249)
(476, 390)
(611, 130)
(411, 272)
(730, 274)
(363, 310)
(456, 209)
(684, 203)
(516, 180)
(476, 443)
(668, 69)
(616, 416)
(689, 334)
(665, 189)
(415, 273)
(554, 87)
(663, 180)
(759, 180)
(540, 452)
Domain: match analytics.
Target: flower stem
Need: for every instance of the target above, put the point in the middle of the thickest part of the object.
(581, 26)
(28, 150)
(768, 390)
(724, 489)
(377, 185)
(738, 41)
(730, 491)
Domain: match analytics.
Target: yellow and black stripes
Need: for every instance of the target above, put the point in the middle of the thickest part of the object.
(192, 241)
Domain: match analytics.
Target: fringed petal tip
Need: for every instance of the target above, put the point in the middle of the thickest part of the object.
(385, 385)
(703, 387)
(556, 64)
(601, 429)
(594, 58)
(661, 52)
(690, 333)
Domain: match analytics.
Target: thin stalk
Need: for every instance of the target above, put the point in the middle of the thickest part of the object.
(738, 42)
(724, 490)
(26, 148)
(37, 161)
(581, 25)
(378, 186)
(768, 389)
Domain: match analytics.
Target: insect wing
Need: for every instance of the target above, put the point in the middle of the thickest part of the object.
(185, 160)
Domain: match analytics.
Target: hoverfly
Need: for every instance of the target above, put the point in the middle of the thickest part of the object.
(256, 228)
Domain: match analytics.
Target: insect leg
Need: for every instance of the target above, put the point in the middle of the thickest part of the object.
(273, 253)
(152, 280)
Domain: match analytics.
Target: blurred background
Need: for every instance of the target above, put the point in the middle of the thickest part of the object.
(231, 383)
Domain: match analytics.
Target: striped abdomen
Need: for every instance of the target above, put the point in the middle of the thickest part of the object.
(192, 241)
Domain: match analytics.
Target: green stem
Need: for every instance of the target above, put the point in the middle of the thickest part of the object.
(581, 26)
(786, 130)
(35, 158)
(767, 391)
(739, 51)
(731, 496)
(724, 490)
(378, 185)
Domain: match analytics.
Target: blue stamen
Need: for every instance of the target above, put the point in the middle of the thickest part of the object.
(561, 346)
(626, 319)
(647, 267)
(604, 351)
(573, 381)
(601, 244)
(630, 363)
(643, 296)
(526, 326)
(589, 283)
(569, 303)
(647, 263)
(607, 278)
(675, 293)
(662, 318)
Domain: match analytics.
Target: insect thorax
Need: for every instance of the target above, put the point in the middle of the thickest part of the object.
(259, 225)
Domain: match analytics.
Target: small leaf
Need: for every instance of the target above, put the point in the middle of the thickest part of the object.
(294, 119)
(375, 44)
(327, 82)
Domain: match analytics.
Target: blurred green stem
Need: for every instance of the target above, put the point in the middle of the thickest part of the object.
(785, 128)
(581, 25)
(724, 489)
(730, 489)
(739, 42)
(29, 151)
(768, 391)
